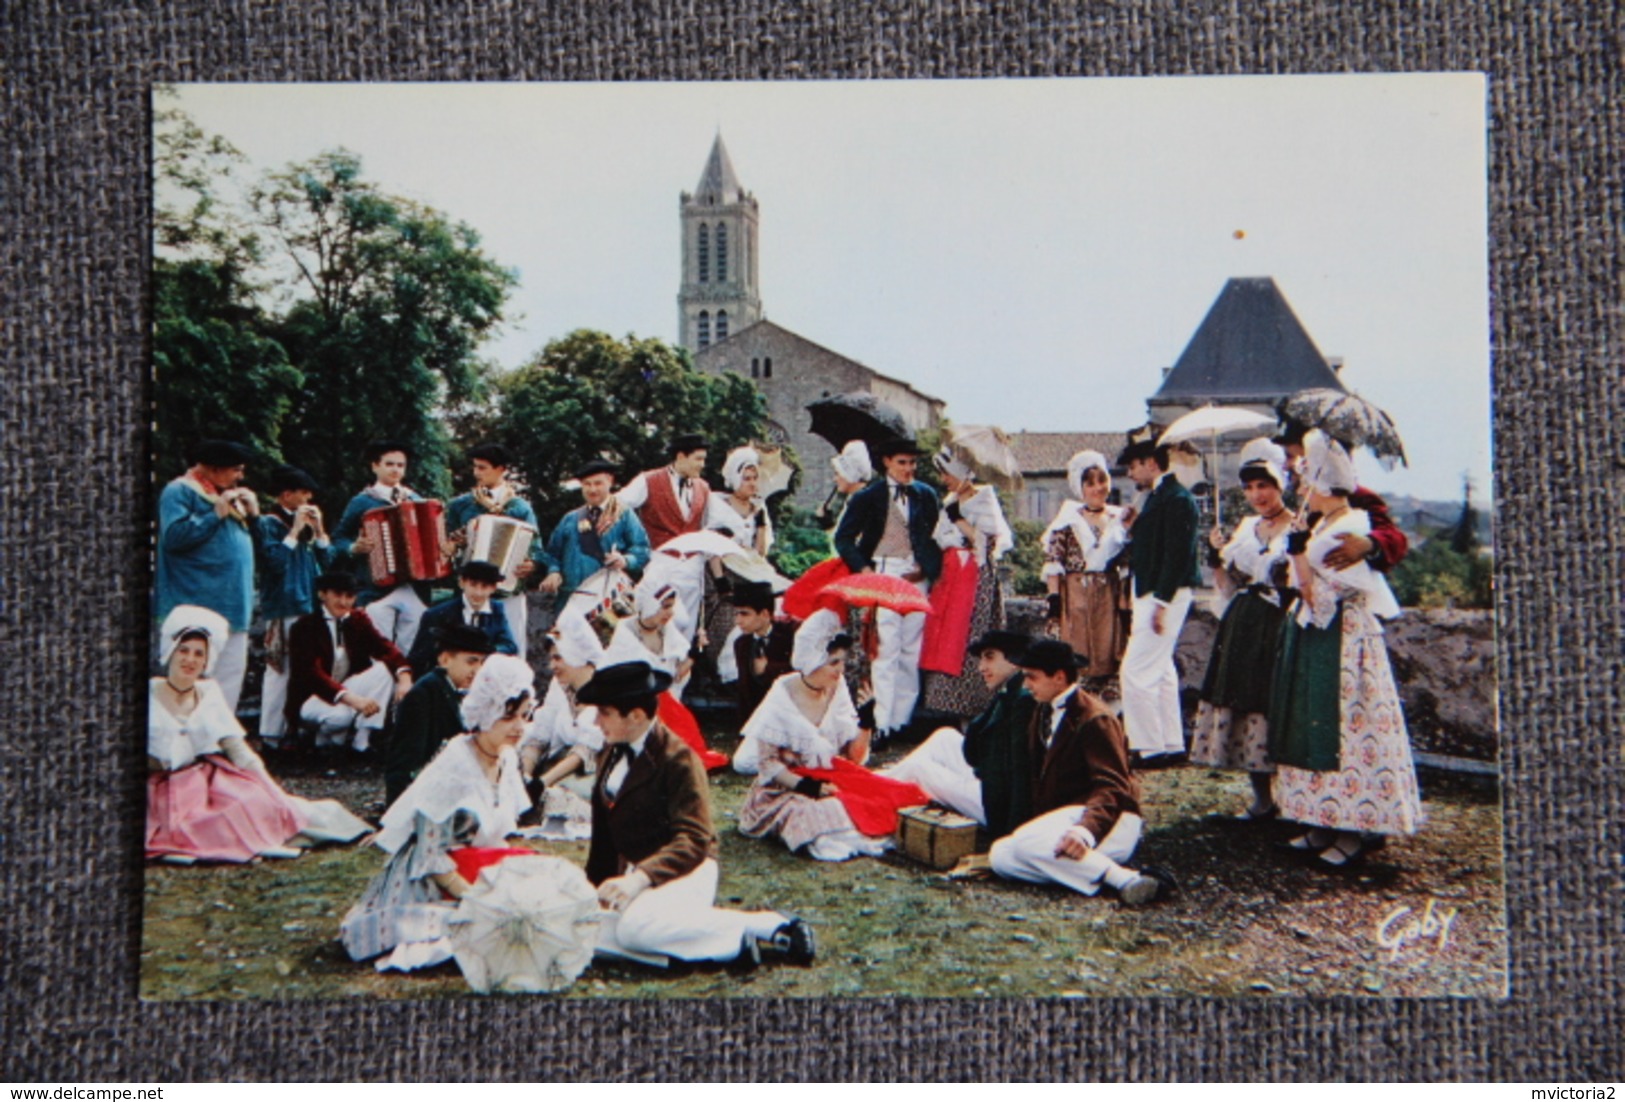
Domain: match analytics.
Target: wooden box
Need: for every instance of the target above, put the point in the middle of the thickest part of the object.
(935, 837)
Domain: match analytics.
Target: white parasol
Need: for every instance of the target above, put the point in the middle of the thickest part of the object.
(711, 544)
(529, 924)
(986, 449)
(754, 568)
(1211, 422)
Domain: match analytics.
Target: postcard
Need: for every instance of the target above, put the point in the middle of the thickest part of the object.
(1007, 538)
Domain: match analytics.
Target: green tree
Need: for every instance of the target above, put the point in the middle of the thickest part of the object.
(589, 395)
(217, 371)
(387, 301)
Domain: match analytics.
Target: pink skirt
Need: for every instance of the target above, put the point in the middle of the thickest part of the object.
(213, 811)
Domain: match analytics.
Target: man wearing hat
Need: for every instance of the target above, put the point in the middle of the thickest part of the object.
(1164, 563)
(206, 550)
(1084, 801)
(432, 712)
(476, 607)
(394, 612)
(493, 495)
(671, 502)
(293, 550)
(341, 671)
(654, 851)
(598, 535)
(986, 773)
(758, 651)
(888, 528)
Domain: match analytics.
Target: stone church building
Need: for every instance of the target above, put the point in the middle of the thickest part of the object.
(721, 321)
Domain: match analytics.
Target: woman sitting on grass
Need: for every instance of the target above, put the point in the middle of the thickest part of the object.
(448, 825)
(811, 788)
(209, 796)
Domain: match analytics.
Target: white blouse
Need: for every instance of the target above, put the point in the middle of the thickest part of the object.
(557, 728)
(778, 722)
(176, 742)
(1098, 551)
(983, 513)
(721, 516)
(626, 646)
(454, 781)
(1250, 555)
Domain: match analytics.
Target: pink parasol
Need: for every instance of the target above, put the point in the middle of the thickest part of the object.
(879, 591)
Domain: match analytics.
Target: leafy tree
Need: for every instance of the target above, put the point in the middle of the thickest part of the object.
(1026, 559)
(798, 541)
(588, 395)
(1435, 575)
(216, 370)
(386, 303)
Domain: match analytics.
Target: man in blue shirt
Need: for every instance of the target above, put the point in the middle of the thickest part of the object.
(493, 495)
(600, 535)
(293, 550)
(206, 550)
(474, 607)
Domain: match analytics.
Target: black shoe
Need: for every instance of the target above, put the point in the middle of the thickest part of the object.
(793, 943)
(749, 958)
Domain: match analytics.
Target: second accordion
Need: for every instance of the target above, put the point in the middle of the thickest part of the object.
(406, 541)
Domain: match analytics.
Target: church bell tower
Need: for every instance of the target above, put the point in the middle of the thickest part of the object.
(719, 293)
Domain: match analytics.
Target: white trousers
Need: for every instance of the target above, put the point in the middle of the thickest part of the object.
(1150, 682)
(517, 609)
(938, 765)
(896, 668)
(1029, 853)
(334, 720)
(679, 919)
(396, 615)
(230, 667)
(274, 693)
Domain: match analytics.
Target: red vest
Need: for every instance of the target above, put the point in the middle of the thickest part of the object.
(662, 514)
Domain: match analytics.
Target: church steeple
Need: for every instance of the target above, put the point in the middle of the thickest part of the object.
(719, 294)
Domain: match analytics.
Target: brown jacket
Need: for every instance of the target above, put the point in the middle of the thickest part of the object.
(310, 658)
(1086, 764)
(661, 818)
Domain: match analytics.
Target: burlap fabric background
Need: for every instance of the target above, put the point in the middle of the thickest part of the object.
(76, 507)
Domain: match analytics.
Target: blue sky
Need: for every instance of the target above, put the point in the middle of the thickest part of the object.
(1034, 252)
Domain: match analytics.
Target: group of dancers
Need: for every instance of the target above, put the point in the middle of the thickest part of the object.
(1298, 693)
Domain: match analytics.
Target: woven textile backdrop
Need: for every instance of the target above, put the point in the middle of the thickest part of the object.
(77, 501)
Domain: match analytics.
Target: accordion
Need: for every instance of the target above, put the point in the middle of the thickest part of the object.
(406, 541)
(503, 541)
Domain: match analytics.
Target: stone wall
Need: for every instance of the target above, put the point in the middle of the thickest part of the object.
(1444, 661)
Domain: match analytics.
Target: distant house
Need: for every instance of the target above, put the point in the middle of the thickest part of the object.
(721, 321)
(1250, 350)
(1043, 457)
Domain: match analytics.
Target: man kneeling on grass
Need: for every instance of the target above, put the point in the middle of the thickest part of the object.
(1086, 807)
(654, 851)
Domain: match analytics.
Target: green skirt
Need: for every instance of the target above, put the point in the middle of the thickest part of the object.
(1239, 671)
(1305, 713)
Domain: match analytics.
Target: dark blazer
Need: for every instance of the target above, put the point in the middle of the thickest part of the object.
(661, 819)
(310, 658)
(996, 749)
(751, 686)
(426, 647)
(1162, 548)
(1086, 764)
(864, 522)
(429, 715)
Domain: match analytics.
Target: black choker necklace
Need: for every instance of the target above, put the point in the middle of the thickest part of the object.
(177, 690)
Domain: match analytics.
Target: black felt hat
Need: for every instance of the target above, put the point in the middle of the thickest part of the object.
(626, 681)
(292, 478)
(897, 445)
(380, 448)
(222, 453)
(481, 571)
(335, 581)
(1011, 644)
(687, 442)
(595, 466)
(1051, 656)
(462, 637)
(753, 595)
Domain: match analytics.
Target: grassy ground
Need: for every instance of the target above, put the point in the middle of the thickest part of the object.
(1248, 920)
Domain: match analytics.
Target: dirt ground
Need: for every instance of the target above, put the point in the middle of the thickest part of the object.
(1425, 917)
